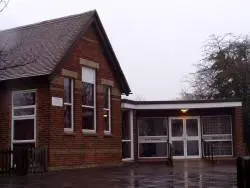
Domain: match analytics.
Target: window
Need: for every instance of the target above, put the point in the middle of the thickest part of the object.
(217, 130)
(89, 100)
(153, 136)
(127, 135)
(68, 104)
(107, 109)
(23, 117)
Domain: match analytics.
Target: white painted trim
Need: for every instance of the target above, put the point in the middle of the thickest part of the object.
(107, 132)
(91, 131)
(181, 106)
(131, 117)
(71, 129)
(138, 135)
(185, 137)
(13, 118)
(131, 125)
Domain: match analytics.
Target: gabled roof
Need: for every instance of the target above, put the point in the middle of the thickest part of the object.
(37, 49)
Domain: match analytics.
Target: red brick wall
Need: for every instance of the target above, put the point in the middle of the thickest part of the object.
(240, 147)
(42, 101)
(79, 149)
(5, 121)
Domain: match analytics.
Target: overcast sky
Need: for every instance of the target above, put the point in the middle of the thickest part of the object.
(156, 42)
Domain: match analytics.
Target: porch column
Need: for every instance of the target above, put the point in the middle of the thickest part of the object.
(131, 122)
(240, 147)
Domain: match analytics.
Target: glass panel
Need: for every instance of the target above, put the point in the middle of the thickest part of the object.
(125, 126)
(178, 148)
(88, 118)
(67, 116)
(106, 120)
(24, 129)
(24, 111)
(192, 127)
(177, 127)
(216, 125)
(152, 127)
(24, 98)
(88, 94)
(67, 90)
(106, 96)
(222, 147)
(126, 150)
(192, 147)
(153, 149)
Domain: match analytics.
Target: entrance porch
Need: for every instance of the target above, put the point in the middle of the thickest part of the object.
(189, 126)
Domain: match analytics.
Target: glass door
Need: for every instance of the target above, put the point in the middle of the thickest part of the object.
(192, 138)
(185, 137)
(176, 135)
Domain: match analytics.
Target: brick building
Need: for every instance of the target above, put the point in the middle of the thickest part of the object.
(60, 88)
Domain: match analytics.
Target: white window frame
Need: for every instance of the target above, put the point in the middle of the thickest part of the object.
(220, 140)
(131, 140)
(109, 111)
(71, 129)
(23, 117)
(164, 138)
(91, 131)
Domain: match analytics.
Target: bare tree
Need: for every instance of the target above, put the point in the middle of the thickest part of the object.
(3, 4)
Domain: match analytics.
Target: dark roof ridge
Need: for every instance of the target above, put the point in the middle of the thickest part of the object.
(49, 21)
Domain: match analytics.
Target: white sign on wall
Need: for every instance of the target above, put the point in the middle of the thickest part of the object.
(152, 139)
(57, 101)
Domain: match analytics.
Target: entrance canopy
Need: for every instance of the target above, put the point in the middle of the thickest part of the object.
(181, 104)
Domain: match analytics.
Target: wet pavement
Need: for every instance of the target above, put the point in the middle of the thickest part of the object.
(183, 174)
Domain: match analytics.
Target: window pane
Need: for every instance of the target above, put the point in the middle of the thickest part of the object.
(106, 97)
(106, 120)
(88, 118)
(24, 129)
(153, 150)
(177, 127)
(24, 98)
(178, 147)
(24, 112)
(222, 147)
(192, 147)
(125, 126)
(126, 150)
(67, 116)
(152, 127)
(88, 94)
(192, 127)
(216, 125)
(88, 75)
(67, 90)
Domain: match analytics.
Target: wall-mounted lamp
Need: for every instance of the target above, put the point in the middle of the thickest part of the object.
(105, 115)
(184, 110)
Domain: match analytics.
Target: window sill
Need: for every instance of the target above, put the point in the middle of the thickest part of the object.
(89, 133)
(108, 134)
(69, 132)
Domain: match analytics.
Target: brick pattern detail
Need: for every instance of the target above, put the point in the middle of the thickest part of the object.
(240, 148)
(80, 149)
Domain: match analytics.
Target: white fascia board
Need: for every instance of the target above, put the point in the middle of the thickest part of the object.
(181, 106)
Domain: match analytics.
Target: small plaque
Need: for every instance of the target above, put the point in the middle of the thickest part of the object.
(57, 101)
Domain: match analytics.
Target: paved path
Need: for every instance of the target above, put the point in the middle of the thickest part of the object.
(191, 175)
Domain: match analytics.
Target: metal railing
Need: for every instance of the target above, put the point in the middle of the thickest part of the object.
(208, 151)
(23, 160)
(169, 154)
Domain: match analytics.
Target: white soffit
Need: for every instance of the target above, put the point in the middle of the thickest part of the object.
(181, 106)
